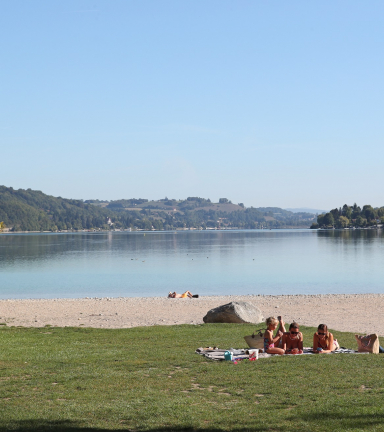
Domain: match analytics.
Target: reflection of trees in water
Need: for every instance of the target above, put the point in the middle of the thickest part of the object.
(27, 247)
(352, 236)
(360, 245)
(31, 247)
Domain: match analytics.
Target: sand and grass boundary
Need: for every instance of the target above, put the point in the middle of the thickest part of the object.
(360, 313)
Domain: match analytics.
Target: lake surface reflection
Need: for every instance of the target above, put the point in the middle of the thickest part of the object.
(204, 262)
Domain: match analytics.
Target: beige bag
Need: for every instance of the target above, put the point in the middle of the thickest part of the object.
(256, 340)
(369, 343)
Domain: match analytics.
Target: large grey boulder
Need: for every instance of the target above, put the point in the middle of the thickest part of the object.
(234, 312)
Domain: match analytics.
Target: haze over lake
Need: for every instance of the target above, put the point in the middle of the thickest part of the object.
(139, 264)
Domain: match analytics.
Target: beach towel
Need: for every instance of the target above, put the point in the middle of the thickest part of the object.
(242, 354)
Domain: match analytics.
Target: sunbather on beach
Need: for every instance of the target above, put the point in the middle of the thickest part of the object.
(271, 343)
(323, 341)
(184, 295)
(293, 340)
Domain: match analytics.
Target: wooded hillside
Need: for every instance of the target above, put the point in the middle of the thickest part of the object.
(29, 210)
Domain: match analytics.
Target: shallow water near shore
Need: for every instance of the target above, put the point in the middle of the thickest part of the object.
(138, 264)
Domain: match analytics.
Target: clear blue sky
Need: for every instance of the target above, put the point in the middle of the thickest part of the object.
(270, 103)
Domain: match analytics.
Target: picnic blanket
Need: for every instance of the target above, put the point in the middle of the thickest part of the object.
(242, 354)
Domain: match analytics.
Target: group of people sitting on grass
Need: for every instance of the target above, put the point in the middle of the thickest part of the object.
(291, 341)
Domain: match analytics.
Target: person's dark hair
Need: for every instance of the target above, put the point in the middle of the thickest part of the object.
(323, 327)
(294, 325)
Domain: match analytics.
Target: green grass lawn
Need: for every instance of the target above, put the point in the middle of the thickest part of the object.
(148, 378)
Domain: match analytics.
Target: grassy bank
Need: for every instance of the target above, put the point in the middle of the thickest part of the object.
(80, 379)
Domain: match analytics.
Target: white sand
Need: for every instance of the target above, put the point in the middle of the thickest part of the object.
(362, 313)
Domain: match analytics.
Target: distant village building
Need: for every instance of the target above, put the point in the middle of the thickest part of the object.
(109, 222)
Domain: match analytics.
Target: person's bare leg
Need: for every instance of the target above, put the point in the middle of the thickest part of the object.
(281, 324)
(275, 350)
(279, 342)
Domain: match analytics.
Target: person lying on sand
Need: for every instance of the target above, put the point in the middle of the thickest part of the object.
(293, 340)
(184, 295)
(323, 341)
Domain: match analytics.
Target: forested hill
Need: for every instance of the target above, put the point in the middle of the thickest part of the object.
(29, 210)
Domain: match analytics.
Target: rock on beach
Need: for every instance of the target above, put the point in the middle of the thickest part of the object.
(235, 312)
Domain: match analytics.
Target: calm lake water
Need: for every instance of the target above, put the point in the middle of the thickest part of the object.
(148, 264)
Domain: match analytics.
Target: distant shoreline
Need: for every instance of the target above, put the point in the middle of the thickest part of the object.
(373, 227)
(149, 231)
(370, 228)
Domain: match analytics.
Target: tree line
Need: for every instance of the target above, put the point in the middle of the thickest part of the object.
(350, 216)
(29, 210)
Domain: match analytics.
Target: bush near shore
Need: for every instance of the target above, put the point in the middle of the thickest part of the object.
(149, 379)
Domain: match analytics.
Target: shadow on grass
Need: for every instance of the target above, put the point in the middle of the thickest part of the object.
(341, 421)
(72, 426)
(327, 421)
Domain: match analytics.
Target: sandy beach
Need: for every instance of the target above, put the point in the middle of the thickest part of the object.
(361, 313)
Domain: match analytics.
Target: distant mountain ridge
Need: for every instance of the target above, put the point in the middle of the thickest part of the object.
(29, 210)
(306, 210)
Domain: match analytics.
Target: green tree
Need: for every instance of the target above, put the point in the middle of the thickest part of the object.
(360, 221)
(369, 213)
(335, 213)
(346, 211)
(343, 222)
(320, 219)
(2, 226)
(329, 220)
(356, 210)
